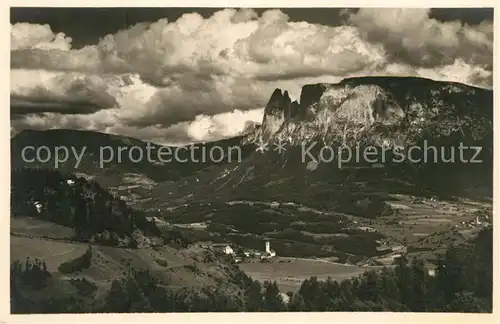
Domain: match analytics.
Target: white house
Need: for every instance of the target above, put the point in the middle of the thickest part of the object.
(38, 206)
(228, 250)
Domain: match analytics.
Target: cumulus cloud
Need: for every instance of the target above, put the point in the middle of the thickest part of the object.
(230, 43)
(227, 124)
(202, 79)
(31, 36)
(410, 35)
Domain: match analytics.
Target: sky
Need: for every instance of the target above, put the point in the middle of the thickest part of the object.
(181, 75)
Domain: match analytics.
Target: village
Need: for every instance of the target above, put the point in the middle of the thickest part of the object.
(239, 255)
(476, 223)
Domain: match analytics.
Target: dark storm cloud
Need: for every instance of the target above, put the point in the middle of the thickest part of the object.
(21, 106)
(471, 16)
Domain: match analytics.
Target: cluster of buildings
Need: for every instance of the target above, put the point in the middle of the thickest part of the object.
(475, 223)
(268, 253)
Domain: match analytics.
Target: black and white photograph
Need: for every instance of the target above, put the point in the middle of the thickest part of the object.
(186, 160)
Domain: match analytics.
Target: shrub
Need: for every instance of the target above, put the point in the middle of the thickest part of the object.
(161, 262)
(81, 263)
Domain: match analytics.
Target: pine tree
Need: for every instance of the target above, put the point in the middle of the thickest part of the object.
(368, 289)
(310, 290)
(272, 299)
(404, 276)
(297, 303)
(388, 284)
(483, 265)
(452, 276)
(253, 297)
(419, 300)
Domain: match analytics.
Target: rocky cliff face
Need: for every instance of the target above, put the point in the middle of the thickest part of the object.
(378, 110)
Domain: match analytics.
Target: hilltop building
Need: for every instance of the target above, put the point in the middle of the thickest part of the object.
(222, 247)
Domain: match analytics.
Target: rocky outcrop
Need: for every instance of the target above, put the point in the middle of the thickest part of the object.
(379, 111)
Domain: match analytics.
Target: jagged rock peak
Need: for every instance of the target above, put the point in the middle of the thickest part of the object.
(398, 109)
(278, 103)
(276, 112)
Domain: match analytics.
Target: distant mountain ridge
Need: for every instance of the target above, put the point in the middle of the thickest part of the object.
(109, 173)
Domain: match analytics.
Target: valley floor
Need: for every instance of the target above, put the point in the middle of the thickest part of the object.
(289, 273)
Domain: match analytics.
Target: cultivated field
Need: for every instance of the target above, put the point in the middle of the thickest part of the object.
(29, 226)
(54, 253)
(289, 273)
(430, 225)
